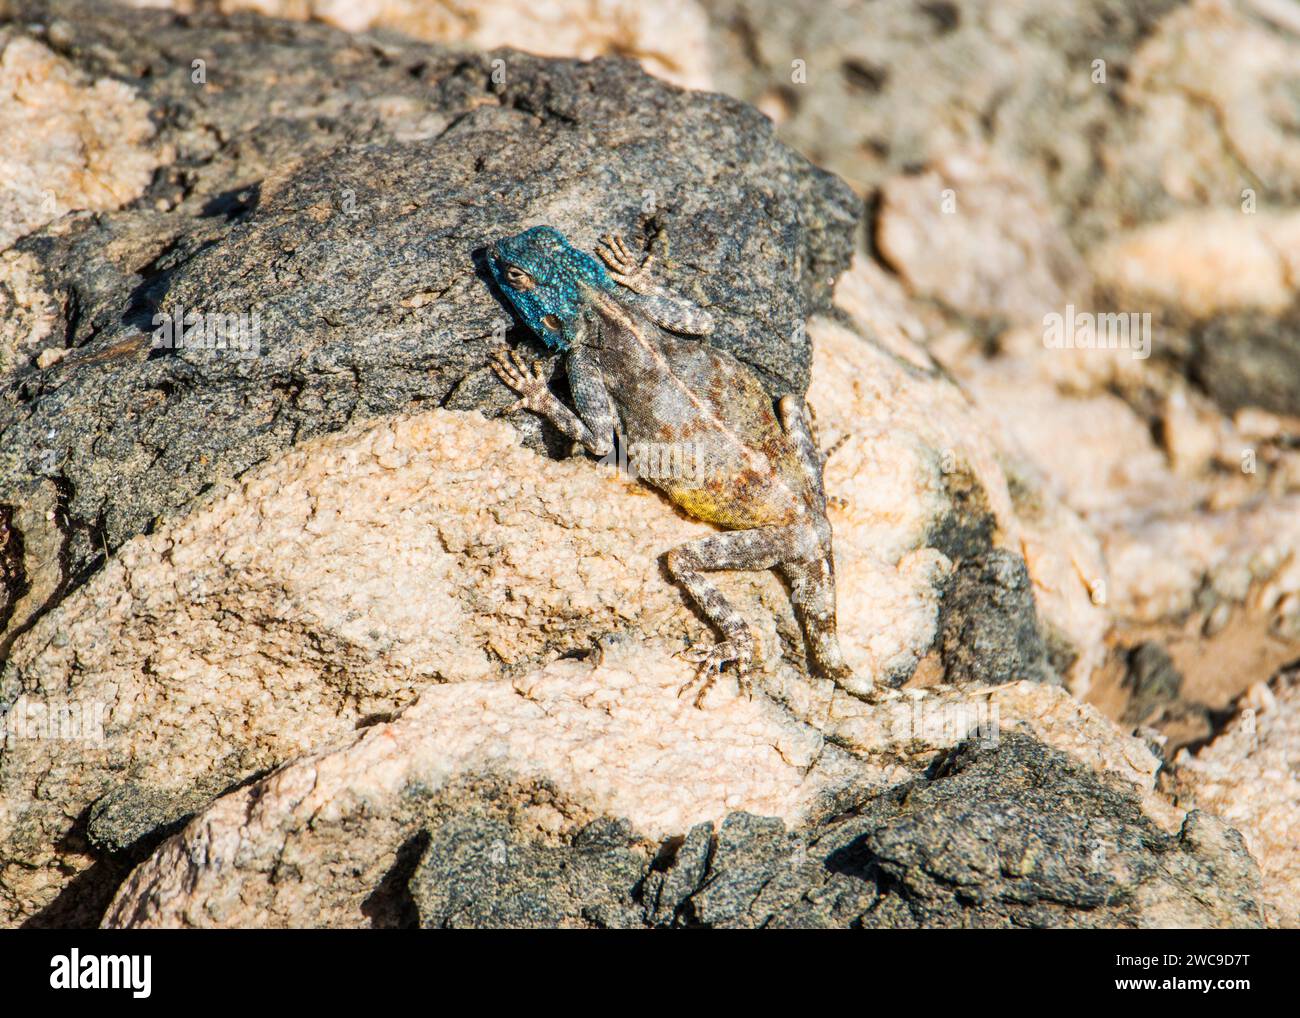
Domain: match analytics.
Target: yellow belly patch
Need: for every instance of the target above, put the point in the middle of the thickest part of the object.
(714, 507)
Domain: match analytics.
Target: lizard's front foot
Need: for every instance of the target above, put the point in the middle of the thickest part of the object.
(711, 661)
(622, 264)
(529, 380)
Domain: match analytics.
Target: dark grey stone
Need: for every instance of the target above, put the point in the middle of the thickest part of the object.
(989, 629)
(1152, 680)
(1007, 835)
(479, 871)
(677, 873)
(1249, 359)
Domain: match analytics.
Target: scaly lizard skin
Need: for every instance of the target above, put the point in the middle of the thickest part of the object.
(736, 459)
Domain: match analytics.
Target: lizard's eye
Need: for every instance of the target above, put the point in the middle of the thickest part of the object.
(518, 278)
(551, 322)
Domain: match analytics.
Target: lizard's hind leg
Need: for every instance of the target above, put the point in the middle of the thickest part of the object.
(794, 419)
(812, 591)
(812, 579)
(798, 421)
(761, 548)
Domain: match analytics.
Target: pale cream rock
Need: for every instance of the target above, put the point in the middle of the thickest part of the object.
(1193, 432)
(329, 586)
(1095, 452)
(1201, 85)
(669, 37)
(66, 142)
(1248, 552)
(27, 312)
(49, 358)
(615, 737)
(1175, 517)
(909, 728)
(1168, 524)
(1204, 263)
(973, 234)
(612, 738)
(906, 431)
(1250, 776)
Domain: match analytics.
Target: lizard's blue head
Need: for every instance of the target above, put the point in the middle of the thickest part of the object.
(544, 277)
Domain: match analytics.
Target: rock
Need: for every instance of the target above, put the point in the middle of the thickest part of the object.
(27, 312)
(1043, 842)
(1155, 140)
(333, 633)
(670, 38)
(1120, 113)
(974, 236)
(1204, 264)
(1196, 515)
(1192, 433)
(67, 141)
(1247, 776)
(506, 566)
(907, 435)
(479, 872)
(351, 252)
(990, 630)
(1123, 113)
(1250, 360)
(1044, 406)
(1153, 682)
(587, 739)
(351, 651)
(976, 847)
(1225, 576)
(33, 546)
(1222, 285)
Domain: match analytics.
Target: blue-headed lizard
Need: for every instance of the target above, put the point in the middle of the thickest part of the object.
(754, 468)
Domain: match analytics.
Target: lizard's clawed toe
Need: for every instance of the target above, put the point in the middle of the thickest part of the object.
(505, 370)
(623, 264)
(836, 446)
(711, 661)
(528, 380)
(860, 688)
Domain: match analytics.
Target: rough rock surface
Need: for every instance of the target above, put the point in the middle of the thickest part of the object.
(670, 37)
(1248, 775)
(339, 189)
(962, 122)
(66, 141)
(303, 726)
(977, 238)
(1162, 136)
(243, 631)
(1042, 842)
(1197, 100)
(1197, 515)
(276, 617)
(1223, 287)
(989, 630)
